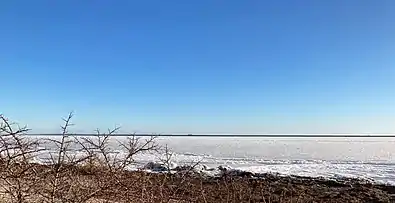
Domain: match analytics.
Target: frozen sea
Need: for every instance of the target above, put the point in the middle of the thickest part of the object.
(370, 158)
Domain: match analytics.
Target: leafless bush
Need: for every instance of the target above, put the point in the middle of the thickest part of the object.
(78, 169)
(167, 159)
(18, 177)
(82, 168)
(113, 157)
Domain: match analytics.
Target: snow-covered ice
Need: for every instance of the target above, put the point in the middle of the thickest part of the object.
(371, 158)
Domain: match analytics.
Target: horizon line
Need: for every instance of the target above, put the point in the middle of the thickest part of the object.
(219, 135)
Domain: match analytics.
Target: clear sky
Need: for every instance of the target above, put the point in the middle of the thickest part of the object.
(206, 66)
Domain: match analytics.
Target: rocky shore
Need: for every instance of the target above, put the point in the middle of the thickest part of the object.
(156, 183)
(240, 186)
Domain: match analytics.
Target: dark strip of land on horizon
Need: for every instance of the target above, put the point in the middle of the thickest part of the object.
(227, 135)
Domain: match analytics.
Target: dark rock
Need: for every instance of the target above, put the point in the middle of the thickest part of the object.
(183, 168)
(234, 172)
(157, 167)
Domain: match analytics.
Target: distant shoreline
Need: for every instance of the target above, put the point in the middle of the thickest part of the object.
(231, 135)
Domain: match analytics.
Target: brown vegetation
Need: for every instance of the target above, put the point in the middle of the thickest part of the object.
(98, 174)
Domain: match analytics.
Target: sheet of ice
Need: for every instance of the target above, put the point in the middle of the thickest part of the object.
(371, 158)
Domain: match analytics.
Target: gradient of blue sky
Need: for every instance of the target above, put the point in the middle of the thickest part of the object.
(200, 66)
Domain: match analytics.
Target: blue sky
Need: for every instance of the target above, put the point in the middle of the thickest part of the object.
(202, 66)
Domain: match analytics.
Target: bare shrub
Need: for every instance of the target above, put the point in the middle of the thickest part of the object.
(18, 177)
(85, 168)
